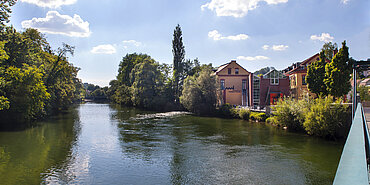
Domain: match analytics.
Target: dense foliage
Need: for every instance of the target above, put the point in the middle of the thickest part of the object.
(321, 116)
(34, 79)
(316, 75)
(200, 93)
(178, 51)
(331, 78)
(338, 73)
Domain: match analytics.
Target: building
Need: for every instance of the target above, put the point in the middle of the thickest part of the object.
(297, 77)
(234, 81)
(272, 86)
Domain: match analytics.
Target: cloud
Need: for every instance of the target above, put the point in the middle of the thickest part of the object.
(252, 58)
(236, 8)
(127, 43)
(325, 37)
(55, 23)
(104, 49)
(275, 47)
(217, 36)
(50, 3)
(279, 47)
(265, 47)
(344, 1)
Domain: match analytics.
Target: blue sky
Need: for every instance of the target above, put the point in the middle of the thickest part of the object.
(257, 33)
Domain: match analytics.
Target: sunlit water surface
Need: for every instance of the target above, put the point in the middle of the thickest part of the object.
(106, 144)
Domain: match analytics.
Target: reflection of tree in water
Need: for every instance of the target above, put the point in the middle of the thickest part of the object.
(24, 155)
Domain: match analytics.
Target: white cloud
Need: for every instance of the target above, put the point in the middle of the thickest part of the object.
(50, 3)
(217, 36)
(279, 47)
(344, 1)
(275, 47)
(104, 49)
(127, 43)
(55, 23)
(252, 58)
(325, 37)
(236, 8)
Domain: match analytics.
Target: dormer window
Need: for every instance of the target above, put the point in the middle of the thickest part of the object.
(229, 71)
(236, 71)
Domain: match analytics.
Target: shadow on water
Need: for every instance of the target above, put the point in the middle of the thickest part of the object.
(27, 155)
(202, 150)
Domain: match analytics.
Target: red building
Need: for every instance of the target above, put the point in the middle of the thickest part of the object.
(272, 86)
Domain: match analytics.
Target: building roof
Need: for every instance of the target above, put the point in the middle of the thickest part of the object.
(300, 66)
(223, 66)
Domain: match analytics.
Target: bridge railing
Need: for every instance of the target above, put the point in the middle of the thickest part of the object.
(353, 164)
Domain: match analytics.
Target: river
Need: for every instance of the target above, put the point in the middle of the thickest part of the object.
(107, 144)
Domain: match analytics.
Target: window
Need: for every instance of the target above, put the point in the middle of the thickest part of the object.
(274, 77)
(236, 71)
(304, 80)
(256, 91)
(229, 71)
(222, 84)
(244, 84)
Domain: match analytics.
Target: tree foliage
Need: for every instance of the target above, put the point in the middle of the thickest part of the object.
(200, 93)
(34, 79)
(178, 51)
(337, 73)
(316, 75)
(328, 49)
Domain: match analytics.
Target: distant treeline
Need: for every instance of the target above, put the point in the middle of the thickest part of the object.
(35, 80)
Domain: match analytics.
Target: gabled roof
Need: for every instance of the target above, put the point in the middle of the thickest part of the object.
(301, 65)
(223, 66)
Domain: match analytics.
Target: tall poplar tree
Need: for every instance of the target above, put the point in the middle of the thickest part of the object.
(316, 75)
(178, 51)
(337, 73)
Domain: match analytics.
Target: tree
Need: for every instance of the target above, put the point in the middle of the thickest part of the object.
(127, 64)
(146, 83)
(178, 51)
(328, 49)
(316, 75)
(27, 94)
(5, 11)
(200, 93)
(337, 73)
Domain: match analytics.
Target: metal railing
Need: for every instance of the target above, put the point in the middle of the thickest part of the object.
(353, 166)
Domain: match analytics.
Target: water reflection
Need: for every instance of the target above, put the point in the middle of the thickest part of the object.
(108, 144)
(25, 155)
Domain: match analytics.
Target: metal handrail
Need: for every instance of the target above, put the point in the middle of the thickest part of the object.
(353, 166)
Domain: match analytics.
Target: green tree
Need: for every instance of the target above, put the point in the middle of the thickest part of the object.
(200, 93)
(328, 49)
(5, 11)
(316, 75)
(178, 51)
(27, 94)
(337, 73)
(127, 64)
(146, 84)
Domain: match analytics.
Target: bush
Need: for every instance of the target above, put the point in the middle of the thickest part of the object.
(244, 114)
(272, 120)
(324, 117)
(291, 113)
(258, 116)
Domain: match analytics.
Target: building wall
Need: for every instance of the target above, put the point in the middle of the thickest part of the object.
(233, 84)
(283, 87)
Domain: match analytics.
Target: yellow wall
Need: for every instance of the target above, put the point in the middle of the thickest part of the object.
(234, 96)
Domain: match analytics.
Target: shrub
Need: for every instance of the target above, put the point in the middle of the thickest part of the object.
(272, 120)
(291, 113)
(324, 117)
(258, 116)
(244, 114)
(225, 110)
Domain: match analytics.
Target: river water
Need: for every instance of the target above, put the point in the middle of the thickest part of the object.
(106, 144)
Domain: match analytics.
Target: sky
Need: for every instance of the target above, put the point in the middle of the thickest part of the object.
(255, 33)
